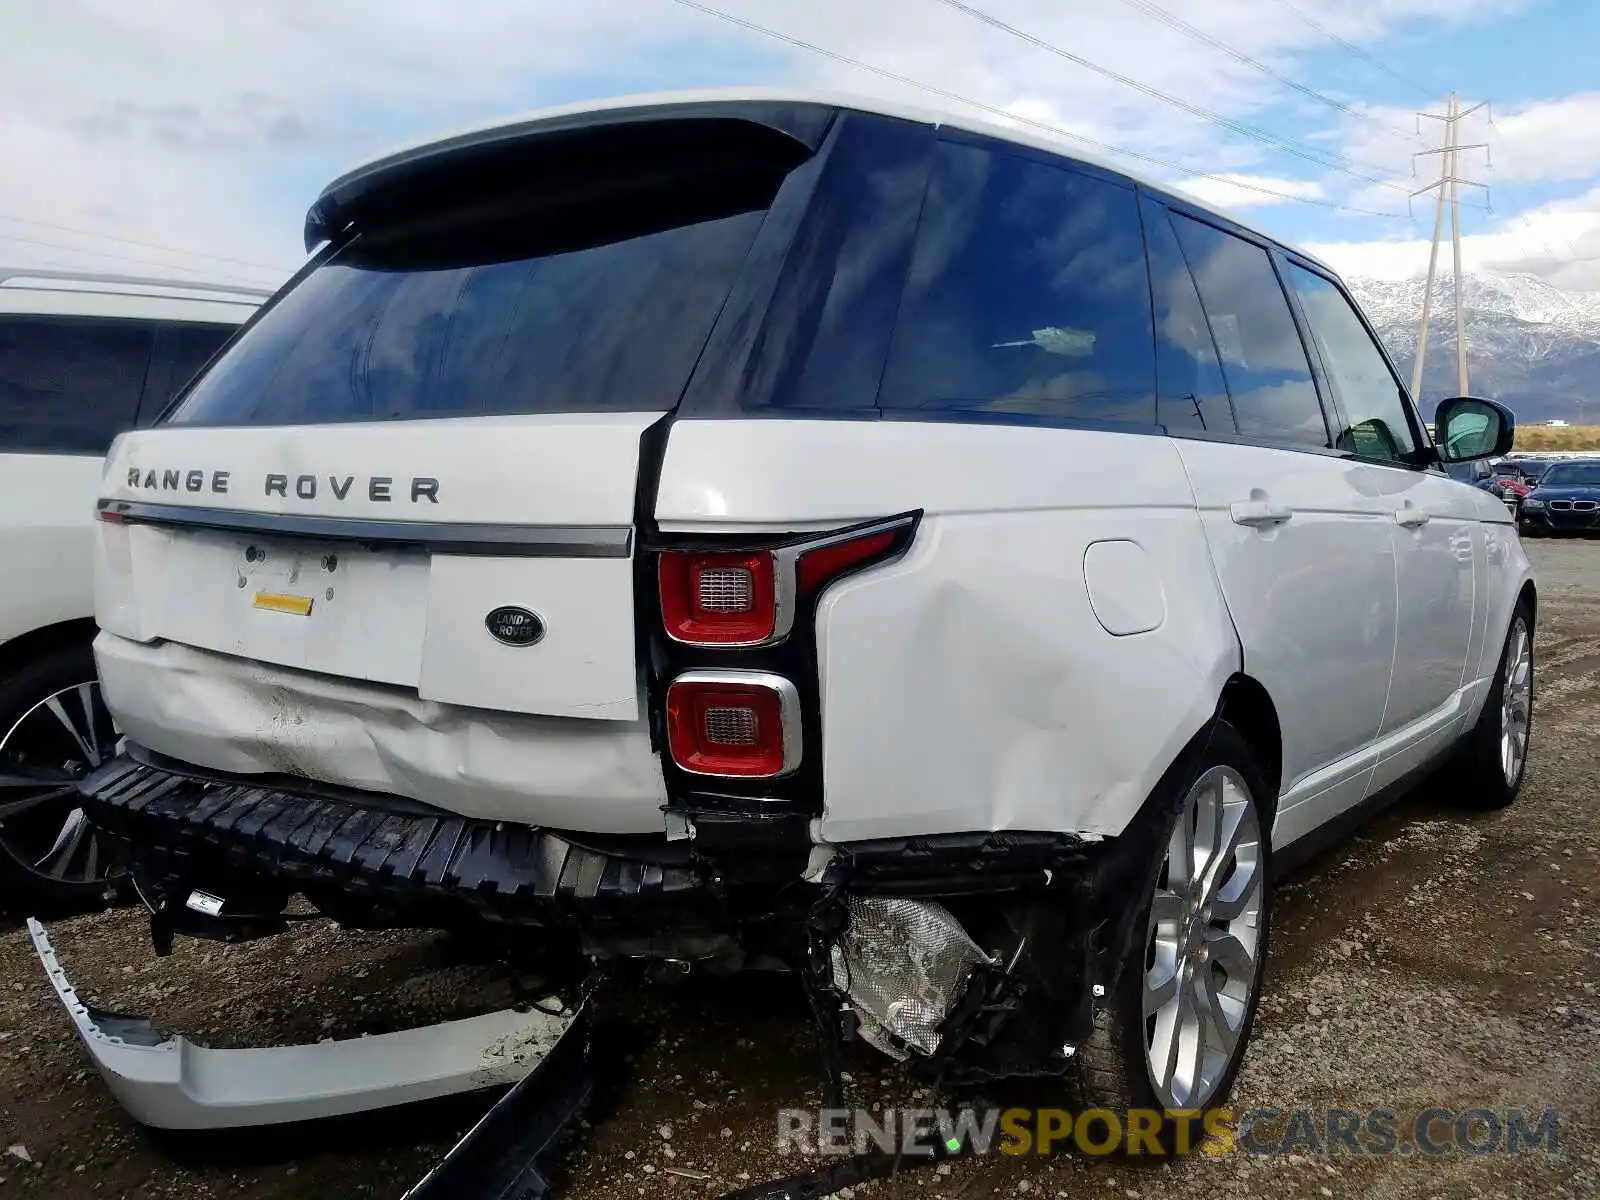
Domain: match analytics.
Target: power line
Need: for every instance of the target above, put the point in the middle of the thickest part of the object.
(1572, 250)
(110, 237)
(1355, 49)
(6, 237)
(1320, 158)
(1003, 114)
(1156, 13)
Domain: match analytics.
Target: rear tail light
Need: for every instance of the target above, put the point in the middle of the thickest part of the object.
(748, 597)
(818, 567)
(740, 723)
(718, 599)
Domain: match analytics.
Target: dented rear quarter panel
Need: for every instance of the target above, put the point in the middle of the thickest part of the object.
(971, 686)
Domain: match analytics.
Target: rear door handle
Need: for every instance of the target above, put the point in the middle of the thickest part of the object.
(1259, 513)
(1409, 516)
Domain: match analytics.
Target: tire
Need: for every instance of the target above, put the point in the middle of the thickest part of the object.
(1123, 1065)
(53, 728)
(1482, 774)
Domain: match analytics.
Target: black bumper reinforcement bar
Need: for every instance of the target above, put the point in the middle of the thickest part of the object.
(178, 824)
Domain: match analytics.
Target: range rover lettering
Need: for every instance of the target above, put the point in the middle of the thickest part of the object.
(963, 573)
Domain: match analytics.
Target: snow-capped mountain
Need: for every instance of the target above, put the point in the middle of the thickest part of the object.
(1524, 297)
(1530, 345)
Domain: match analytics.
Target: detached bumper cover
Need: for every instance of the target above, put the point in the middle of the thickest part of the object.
(170, 1083)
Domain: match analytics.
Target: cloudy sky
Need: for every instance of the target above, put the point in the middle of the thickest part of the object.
(190, 135)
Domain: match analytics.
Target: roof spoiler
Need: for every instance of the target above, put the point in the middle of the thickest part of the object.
(336, 210)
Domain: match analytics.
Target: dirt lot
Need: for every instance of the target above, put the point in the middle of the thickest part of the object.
(1438, 958)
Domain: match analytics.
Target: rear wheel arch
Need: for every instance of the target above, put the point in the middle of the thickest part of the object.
(26, 648)
(1247, 706)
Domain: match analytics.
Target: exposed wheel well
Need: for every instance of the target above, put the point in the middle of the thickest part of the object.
(1246, 706)
(36, 643)
(1530, 595)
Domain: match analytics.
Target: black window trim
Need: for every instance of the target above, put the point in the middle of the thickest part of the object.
(1222, 225)
(1419, 434)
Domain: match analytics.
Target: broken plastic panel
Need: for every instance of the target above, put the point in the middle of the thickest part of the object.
(170, 1083)
(904, 964)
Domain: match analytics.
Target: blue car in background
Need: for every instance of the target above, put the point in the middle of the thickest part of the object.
(1566, 500)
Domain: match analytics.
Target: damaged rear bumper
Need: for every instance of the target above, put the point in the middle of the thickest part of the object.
(410, 864)
(170, 1083)
(996, 922)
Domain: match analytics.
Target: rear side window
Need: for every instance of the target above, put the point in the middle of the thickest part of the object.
(587, 290)
(1028, 294)
(1191, 392)
(68, 385)
(1263, 359)
(806, 331)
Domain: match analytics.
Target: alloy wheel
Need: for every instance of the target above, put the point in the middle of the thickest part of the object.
(1516, 702)
(1202, 960)
(43, 755)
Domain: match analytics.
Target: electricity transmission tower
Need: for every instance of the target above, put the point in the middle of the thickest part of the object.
(1448, 186)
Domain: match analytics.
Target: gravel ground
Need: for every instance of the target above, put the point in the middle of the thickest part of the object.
(1437, 958)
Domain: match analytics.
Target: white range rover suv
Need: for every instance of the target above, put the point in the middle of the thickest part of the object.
(736, 527)
(82, 358)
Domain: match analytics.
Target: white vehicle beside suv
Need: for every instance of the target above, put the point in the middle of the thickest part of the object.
(771, 526)
(82, 358)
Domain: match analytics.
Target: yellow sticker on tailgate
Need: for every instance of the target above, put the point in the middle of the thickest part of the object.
(299, 606)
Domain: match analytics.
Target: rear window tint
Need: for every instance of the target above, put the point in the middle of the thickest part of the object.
(1192, 394)
(68, 385)
(601, 303)
(1028, 295)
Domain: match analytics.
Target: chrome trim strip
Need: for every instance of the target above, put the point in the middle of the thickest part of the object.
(788, 713)
(510, 541)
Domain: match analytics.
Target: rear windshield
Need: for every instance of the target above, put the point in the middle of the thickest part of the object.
(596, 300)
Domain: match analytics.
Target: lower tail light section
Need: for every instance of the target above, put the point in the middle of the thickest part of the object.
(734, 723)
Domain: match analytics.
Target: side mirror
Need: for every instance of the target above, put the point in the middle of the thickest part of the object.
(1469, 428)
